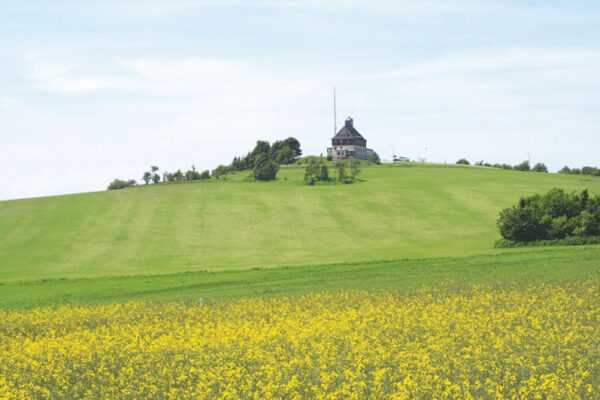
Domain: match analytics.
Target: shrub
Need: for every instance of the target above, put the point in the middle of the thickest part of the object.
(540, 167)
(265, 169)
(119, 184)
(524, 166)
(374, 159)
(316, 170)
(354, 167)
(341, 169)
(556, 215)
(463, 161)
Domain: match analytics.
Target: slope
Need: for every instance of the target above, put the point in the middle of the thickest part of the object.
(393, 213)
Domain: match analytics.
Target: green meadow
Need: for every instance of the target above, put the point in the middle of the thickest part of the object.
(228, 236)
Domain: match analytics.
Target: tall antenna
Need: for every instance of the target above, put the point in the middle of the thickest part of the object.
(334, 116)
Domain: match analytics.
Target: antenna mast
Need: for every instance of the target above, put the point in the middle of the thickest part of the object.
(334, 116)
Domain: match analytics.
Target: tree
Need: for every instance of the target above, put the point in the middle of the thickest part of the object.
(316, 170)
(540, 167)
(463, 161)
(323, 172)
(261, 147)
(329, 157)
(220, 171)
(374, 159)
(285, 155)
(341, 169)
(119, 184)
(293, 144)
(311, 172)
(178, 175)
(524, 166)
(147, 177)
(154, 168)
(265, 169)
(565, 170)
(192, 174)
(205, 174)
(555, 215)
(354, 167)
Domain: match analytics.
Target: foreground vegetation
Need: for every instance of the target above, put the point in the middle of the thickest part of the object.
(556, 215)
(479, 342)
(406, 211)
(521, 267)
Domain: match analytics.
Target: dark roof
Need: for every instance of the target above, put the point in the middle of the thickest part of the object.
(348, 131)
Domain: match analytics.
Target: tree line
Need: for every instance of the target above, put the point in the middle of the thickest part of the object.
(524, 166)
(263, 160)
(317, 170)
(539, 167)
(555, 215)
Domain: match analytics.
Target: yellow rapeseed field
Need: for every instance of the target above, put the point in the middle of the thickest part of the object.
(538, 342)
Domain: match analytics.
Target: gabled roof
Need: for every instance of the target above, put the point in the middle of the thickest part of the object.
(348, 131)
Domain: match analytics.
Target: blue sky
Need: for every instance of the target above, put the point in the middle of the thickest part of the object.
(95, 90)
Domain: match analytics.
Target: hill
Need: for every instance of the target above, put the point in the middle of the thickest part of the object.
(408, 212)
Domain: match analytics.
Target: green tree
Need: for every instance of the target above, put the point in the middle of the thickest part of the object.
(205, 174)
(119, 184)
(147, 177)
(341, 170)
(220, 171)
(374, 159)
(540, 167)
(565, 170)
(354, 167)
(463, 161)
(316, 170)
(265, 169)
(524, 166)
(285, 155)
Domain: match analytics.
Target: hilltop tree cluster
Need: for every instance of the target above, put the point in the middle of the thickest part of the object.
(555, 215)
(153, 176)
(524, 166)
(587, 170)
(318, 171)
(263, 160)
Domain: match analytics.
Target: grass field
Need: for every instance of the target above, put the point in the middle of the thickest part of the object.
(553, 265)
(393, 213)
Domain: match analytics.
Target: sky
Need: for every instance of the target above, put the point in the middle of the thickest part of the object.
(96, 90)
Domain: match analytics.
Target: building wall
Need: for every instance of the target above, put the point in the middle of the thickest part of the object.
(359, 151)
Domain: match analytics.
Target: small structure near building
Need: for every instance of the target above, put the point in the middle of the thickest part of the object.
(349, 143)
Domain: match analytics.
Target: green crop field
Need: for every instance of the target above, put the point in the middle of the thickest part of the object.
(211, 229)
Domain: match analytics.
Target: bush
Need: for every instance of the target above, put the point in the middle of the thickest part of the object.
(374, 159)
(463, 161)
(524, 166)
(540, 167)
(265, 169)
(119, 184)
(341, 169)
(316, 170)
(556, 215)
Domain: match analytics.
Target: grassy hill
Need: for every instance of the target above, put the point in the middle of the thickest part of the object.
(408, 212)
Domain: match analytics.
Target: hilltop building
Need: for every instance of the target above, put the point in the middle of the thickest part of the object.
(349, 143)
